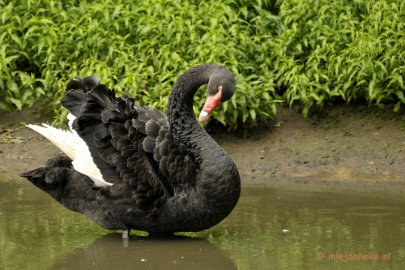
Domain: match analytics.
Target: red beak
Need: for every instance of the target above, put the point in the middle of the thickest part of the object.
(211, 103)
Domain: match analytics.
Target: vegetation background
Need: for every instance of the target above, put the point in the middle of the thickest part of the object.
(293, 52)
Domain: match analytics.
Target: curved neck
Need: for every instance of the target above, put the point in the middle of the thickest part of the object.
(183, 123)
(181, 98)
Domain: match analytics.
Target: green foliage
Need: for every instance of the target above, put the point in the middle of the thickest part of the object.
(135, 47)
(305, 52)
(340, 49)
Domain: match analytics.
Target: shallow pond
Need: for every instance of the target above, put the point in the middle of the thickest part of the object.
(271, 228)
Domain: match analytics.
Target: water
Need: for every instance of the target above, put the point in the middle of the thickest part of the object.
(271, 228)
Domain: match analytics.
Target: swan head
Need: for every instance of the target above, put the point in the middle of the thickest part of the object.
(221, 87)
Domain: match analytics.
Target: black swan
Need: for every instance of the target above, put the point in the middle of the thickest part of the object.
(131, 167)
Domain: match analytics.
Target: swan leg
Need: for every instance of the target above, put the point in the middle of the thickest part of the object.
(126, 234)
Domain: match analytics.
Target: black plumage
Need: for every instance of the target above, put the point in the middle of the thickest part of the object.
(161, 174)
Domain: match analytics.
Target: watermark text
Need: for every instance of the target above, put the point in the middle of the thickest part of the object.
(353, 256)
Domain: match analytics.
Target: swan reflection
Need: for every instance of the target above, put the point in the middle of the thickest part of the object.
(157, 252)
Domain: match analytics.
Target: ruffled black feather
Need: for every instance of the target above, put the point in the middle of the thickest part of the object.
(129, 143)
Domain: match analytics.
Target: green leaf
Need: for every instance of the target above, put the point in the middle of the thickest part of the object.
(253, 114)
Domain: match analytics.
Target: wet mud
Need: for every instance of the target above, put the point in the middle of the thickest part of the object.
(347, 145)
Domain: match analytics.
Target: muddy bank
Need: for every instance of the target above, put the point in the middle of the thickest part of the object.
(349, 145)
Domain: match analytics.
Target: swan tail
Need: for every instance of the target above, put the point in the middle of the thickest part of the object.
(51, 178)
(71, 189)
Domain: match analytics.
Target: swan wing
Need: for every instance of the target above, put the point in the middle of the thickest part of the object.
(74, 147)
(131, 145)
(169, 155)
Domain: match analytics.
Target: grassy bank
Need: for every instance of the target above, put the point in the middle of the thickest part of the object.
(294, 52)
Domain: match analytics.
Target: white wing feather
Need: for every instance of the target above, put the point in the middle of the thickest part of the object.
(63, 139)
(74, 147)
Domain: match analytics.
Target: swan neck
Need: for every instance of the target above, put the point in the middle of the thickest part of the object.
(217, 187)
(181, 98)
(183, 123)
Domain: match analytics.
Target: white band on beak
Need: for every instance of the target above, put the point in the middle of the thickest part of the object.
(203, 116)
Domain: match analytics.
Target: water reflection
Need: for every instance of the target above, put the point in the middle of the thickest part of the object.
(271, 228)
(289, 229)
(109, 252)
